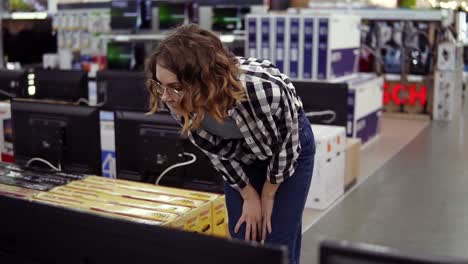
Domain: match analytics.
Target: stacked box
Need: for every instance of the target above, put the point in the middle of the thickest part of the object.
(195, 211)
(365, 93)
(353, 162)
(87, 206)
(6, 132)
(328, 176)
(448, 86)
(17, 192)
(213, 208)
(316, 46)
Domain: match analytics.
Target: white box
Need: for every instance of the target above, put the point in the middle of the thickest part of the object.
(108, 159)
(279, 42)
(365, 95)
(266, 38)
(252, 42)
(328, 176)
(447, 95)
(6, 135)
(293, 47)
(308, 44)
(449, 56)
(338, 44)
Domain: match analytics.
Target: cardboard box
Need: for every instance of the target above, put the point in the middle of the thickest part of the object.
(220, 219)
(6, 132)
(128, 193)
(112, 199)
(353, 162)
(138, 186)
(365, 93)
(17, 192)
(199, 219)
(448, 87)
(328, 175)
(100, 209)
(216, 217)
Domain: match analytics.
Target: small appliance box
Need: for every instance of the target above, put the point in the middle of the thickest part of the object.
(365, 94)
(353, 162)
(337, 44)
(449, 56)
(279, 54)
(329, 169)
(108, 157)
(6, 132)
(447, 95)
(252, 43)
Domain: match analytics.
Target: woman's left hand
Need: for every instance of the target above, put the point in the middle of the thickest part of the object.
(268, 201)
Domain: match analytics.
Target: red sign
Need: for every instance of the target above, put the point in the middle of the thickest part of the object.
(404, 94)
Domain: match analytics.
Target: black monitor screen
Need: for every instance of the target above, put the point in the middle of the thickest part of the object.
(123, 90)
(147, 145)
(26, 41)
(64, 135)
(128, 56)
(12, 83)
(229, 18)
(321, 97)
(130, 14)
(66, 85)
(48, 234)
(344, 252)
(172, 15)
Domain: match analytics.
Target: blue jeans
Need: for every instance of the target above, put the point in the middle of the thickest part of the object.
(290, 198)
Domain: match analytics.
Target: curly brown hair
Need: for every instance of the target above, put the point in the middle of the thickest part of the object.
(207, 71)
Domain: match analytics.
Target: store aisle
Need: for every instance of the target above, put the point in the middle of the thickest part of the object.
(375, 154)
(416, 202)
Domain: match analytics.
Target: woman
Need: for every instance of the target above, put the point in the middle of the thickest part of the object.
(245, 116)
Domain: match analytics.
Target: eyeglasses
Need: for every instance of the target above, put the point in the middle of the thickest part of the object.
(158, 88)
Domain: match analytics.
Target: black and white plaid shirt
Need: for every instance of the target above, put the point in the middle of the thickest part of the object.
(268, 121)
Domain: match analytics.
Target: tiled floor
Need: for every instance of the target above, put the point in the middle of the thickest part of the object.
(417, 201)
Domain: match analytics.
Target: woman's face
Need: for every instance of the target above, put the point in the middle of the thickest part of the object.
(169, 88)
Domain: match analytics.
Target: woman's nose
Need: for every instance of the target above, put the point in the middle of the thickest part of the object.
(166, 97)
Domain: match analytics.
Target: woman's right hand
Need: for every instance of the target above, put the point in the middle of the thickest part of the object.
(251, 214)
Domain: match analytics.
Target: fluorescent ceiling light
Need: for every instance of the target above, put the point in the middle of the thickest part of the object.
(29, 15)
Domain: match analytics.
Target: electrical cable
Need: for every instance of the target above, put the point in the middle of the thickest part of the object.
(322, 113)
(59, 168)
(8, 94)
(194, 158)
(85, 101)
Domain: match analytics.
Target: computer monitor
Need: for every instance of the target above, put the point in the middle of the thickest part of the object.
(345, 252)
(40, 233)
(61, 134)
(229, 18)
(324, 103)
(129, 56)
(148, 145)
(65, 85)
(12, 83)
(122, 90)
(131, 14)
(27, 40)
(172, 14)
